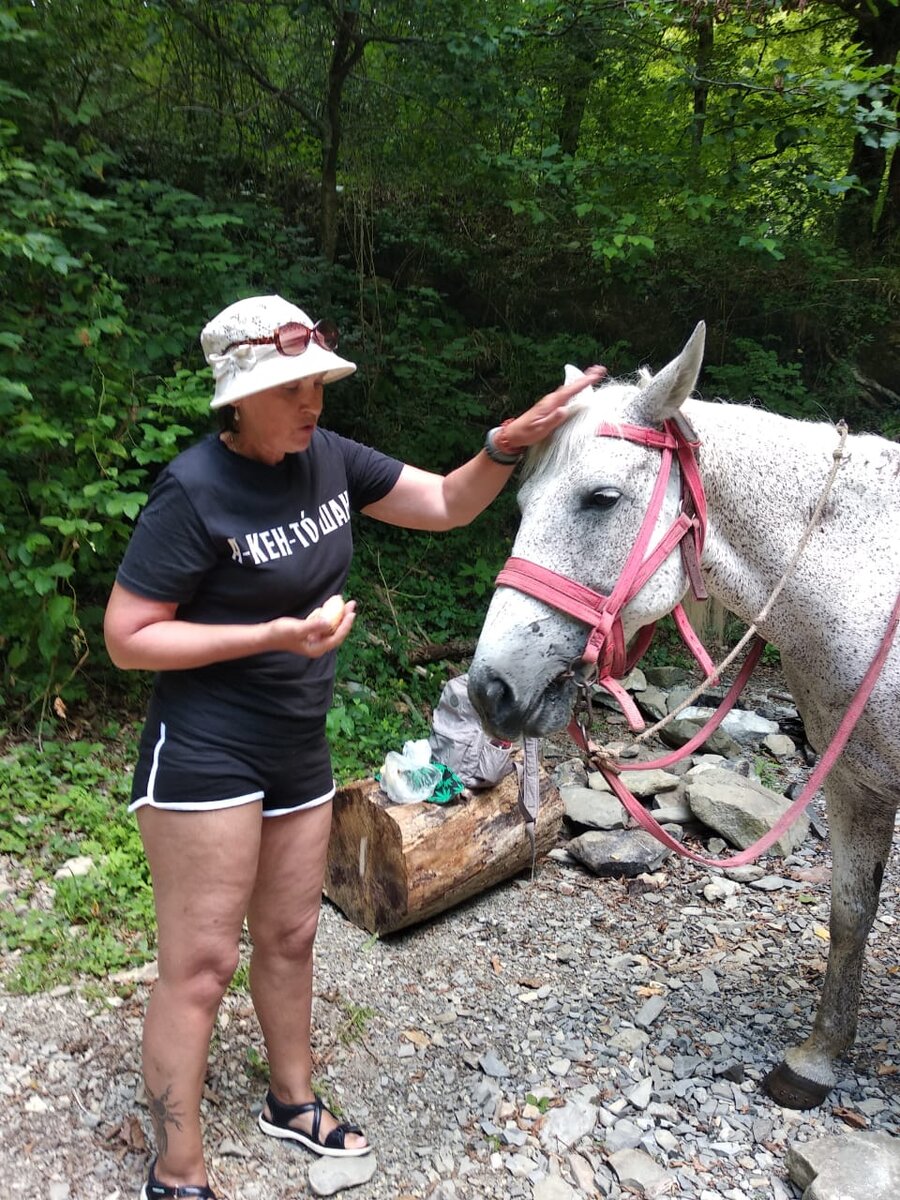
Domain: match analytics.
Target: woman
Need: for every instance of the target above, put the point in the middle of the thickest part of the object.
(245, 535)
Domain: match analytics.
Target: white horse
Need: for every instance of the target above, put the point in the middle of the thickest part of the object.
(583, 500)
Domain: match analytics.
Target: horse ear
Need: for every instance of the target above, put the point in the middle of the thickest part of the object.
(573, 374)
(664, 393)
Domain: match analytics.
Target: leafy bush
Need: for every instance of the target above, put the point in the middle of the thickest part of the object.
(58, 801)
(757, 375)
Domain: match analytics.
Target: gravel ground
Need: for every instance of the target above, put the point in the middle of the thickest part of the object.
(531, 1032)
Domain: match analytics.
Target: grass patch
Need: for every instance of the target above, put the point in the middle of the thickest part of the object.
(61, 800)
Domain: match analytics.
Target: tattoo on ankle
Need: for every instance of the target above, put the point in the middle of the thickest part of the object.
(163, 1113)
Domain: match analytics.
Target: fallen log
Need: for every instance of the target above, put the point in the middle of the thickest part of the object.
(392, 865)
(441, 651)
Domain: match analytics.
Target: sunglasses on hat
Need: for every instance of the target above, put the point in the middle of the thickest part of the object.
(293, 338)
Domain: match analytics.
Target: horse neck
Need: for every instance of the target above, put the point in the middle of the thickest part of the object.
(763, 475)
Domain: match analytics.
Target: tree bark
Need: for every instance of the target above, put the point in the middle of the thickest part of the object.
(576, 84)
(701, 86)
(438, 651)
(347, 50)
(878, 29)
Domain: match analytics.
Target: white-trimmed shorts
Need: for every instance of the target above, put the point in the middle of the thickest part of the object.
(187, 768)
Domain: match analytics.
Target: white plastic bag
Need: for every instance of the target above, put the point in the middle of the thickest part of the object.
(410, 777)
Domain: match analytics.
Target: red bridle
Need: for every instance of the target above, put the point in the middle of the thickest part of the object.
(606, 642)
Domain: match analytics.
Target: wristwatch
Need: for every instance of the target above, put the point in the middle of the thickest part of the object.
(496, 444)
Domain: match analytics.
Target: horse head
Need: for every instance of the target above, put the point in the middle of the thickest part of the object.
(584, 502)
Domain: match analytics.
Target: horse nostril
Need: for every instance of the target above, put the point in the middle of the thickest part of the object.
(497, 694)
(490, 694)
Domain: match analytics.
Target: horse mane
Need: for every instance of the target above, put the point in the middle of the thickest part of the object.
(586, 409)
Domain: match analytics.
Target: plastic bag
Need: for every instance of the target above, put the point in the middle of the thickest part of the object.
(410, 777)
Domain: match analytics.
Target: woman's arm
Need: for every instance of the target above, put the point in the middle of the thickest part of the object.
(424, 500)
(144, 635)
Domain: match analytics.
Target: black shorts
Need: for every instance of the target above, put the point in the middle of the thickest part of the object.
(189, 769)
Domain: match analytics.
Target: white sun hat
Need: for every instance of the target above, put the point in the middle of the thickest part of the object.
(240, 345)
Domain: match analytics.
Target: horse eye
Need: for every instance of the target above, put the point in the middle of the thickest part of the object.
(603, 499)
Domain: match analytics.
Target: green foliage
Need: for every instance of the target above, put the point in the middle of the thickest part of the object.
(767, 773)
(757, 375)
(541, 1103)
(255, 1066)
(356, 1018)
(59, 801)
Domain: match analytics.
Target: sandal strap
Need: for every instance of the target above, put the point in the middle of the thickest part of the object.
(337, 1138)
(178, 1191)
(283, 1114)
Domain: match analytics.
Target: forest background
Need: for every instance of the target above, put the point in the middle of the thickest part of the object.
(478, 191)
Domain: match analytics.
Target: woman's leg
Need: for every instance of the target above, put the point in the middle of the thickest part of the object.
(203, 866)
(282, 918)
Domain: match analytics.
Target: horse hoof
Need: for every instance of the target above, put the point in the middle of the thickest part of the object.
(791, 1090)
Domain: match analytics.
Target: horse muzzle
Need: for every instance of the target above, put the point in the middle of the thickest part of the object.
(505, 714)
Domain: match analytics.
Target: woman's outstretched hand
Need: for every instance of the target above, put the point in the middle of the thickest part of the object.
(550, 411)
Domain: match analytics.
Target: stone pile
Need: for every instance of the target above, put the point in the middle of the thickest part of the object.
(733, 788)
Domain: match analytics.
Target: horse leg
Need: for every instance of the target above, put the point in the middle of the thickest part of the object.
(861, 826)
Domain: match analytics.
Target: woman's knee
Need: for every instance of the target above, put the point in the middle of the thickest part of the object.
(202, 978)
(292, 942)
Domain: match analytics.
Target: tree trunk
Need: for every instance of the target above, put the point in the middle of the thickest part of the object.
(391, 865)
(878, 29)
(887, 232)
(347, 50)
(701, 84)
(576, 84)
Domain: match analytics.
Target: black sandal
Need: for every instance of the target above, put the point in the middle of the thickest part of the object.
(154, 1190)
(279, 1125)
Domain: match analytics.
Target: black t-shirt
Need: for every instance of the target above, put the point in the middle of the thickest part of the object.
(234, 541)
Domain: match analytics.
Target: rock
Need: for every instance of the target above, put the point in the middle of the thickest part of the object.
(631, 1040)
(583, 1173)
(649, 1011)
(228, 1147)
(148, 973)
(779, 745)
(598, 781)
(624, 1135)
(667, 677)
(673, 810)
(553, 1187)
(741, 724)
(652, 702)
(681, 731)
(567, 1125)
(721, 889)
(80, 865)
(639, 1095)
(629, 852)
(636, 1170)
(770, 883)
(330, 1175)
(649, 783)
(492, 1066)
(746, 874)
(572, 771)
(852, 1166)
(635, 681)
(742, 810)
(591, 808)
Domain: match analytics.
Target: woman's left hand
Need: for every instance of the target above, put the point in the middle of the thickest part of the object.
(549, 413)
